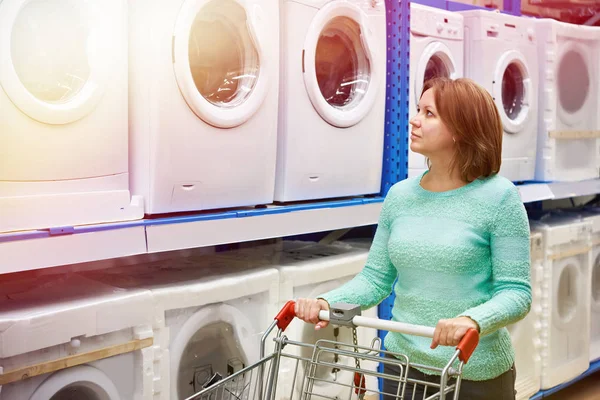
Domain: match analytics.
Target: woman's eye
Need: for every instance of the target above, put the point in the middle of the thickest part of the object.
(429, 114)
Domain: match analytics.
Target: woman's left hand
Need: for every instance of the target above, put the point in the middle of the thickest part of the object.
(449, 332)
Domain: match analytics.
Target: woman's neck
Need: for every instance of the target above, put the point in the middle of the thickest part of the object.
(441, 178)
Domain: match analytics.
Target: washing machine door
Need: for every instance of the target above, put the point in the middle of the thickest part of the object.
(340, 64)
(54, 57)
(512, 91)
(212, 344)
(81, 382)
(567, 293)
(573, 83)
(219, 59)
(436, 61)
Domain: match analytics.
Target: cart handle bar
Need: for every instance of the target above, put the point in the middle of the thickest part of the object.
(466, 346)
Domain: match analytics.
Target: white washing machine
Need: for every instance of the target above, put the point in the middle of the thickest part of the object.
(569, 121)
(308, 269)
(525, 334)
(332, 103)
(210, 315)
(501, 56)
(592, 215)
(436, 50)
(565, 298)
(203, 102)
(102, 332)
(307, 272)
(63, 130)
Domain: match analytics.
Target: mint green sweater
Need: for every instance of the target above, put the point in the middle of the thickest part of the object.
(464, 252)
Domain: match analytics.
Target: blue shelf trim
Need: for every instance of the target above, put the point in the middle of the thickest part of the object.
(593, 369)
(69, 230)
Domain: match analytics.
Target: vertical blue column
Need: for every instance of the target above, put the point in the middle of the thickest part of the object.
(395, 155)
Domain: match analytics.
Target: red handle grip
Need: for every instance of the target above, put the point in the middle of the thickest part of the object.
(286, 315)
(468, 344)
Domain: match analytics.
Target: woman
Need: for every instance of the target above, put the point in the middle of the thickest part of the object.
(457, 239)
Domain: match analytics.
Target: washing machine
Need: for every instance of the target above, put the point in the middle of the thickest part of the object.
(501, 56)
(568, 143)
(332, 103)
(307, 272)
(209, 317)
(436, 50)
(94, 339)
(525, 334)
(565, 301)
(63, 131)
(203, 102)
(592, 214)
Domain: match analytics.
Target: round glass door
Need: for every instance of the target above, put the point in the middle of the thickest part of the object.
(222, 55)
(49, 55)
(55, 57)
(436, 68)
(218, 61)
(341, 69)
(512, 91)
(435, 62)
(341, 63)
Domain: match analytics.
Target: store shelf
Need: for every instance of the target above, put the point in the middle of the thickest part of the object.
(593, 369)
(531, 192)
(22, 251)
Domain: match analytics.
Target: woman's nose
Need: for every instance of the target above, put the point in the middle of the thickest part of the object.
(415, 122)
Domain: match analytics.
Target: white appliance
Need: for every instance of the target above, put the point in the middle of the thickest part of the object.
(210, 314)
(308, 269)
(436, 50)
(525, 334)
(332, 103)
(203, 102)
(103, 333)
(592, 215)
(569, 98)
(501, 56)
(63, 130)
(565, 298)
(307, 272)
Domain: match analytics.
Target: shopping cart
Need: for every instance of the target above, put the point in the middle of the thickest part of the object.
(285, 375)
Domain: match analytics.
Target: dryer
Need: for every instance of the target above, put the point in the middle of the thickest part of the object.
(436, 50)
(332, 103)
(203, 102)
(565, 297)
(501, 56)
(63, 130)
(102, 332)
(209, 317)
(526, 334)
(568, 143)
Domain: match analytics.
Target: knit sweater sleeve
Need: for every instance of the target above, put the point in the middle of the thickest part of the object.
(374, 283)
(509, 246)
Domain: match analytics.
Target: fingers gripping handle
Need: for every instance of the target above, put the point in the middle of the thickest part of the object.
(466, 346)
(286, 315)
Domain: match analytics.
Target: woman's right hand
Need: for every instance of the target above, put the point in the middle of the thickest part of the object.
(308, 311)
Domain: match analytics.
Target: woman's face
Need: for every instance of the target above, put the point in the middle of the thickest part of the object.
(429, 135)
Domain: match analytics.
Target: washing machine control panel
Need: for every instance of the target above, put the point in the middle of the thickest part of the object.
(427, 21)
